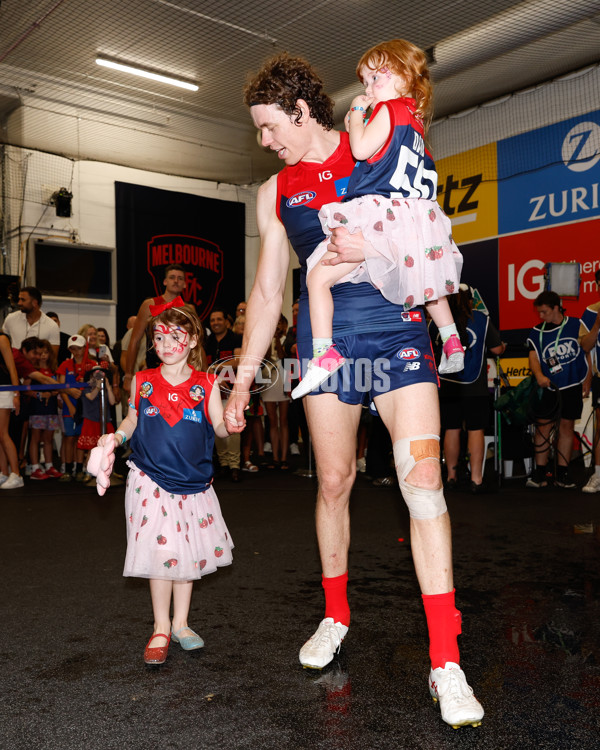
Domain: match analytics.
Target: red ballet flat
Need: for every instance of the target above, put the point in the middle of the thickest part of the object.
(154, 656)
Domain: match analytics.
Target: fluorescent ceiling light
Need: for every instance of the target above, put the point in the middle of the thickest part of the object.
(145, 74)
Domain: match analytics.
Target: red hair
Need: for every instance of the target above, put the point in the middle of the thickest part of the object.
(405, 59)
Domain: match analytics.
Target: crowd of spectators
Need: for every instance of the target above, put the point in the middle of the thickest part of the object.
(34, 350)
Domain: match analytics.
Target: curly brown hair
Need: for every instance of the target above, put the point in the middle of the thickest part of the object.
(189, 321)
(283, 80)
(405, 59)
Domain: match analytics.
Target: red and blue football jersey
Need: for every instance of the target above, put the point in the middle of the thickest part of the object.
(403, 167)
(174, 438)
(301, 191)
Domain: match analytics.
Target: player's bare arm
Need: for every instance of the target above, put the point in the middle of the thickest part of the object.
(265, 301)
(138, 331)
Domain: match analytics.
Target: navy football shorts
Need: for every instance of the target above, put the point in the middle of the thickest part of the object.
(377, 363)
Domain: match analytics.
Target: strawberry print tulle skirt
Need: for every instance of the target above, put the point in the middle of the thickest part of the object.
(410, 254)
(172, 537)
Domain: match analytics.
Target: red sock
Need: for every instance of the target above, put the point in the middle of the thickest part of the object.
(336, 600)
(444, 624)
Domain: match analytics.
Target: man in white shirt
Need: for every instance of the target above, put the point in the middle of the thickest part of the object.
(29, 320)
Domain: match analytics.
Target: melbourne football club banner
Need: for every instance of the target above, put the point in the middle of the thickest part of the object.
(156, 228)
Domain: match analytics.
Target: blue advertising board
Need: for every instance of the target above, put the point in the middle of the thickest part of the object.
(550, 175)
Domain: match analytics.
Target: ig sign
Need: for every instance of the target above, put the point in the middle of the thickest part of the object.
(523, 257)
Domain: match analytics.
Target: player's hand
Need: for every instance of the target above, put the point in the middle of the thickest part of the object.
(127, 383)
(233, 414)
(349, 248)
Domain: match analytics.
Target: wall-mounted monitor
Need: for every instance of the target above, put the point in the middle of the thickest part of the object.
(78, 272)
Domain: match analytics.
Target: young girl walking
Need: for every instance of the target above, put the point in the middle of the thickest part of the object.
(43, 420)
(410, 255)
(175, 530)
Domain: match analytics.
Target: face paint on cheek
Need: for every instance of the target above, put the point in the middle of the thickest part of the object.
(385, 71)
(181, 342)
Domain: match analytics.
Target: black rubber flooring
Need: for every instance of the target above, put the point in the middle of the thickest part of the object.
(73, 629)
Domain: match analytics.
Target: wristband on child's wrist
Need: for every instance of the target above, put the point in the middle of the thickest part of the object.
(123, 436)
(357, 109)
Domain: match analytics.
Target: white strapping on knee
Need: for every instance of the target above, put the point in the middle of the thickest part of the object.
(422, 503)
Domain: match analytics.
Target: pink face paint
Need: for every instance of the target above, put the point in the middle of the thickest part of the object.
(385, 71)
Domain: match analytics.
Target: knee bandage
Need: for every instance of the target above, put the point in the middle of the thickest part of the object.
(422, 503)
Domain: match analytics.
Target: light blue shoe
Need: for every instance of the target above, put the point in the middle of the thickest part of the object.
(188, 642)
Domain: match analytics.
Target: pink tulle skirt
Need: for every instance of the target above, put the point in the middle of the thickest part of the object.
(172, 537)
(410, 255)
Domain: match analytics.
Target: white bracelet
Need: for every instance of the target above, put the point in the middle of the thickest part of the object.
(123, 435)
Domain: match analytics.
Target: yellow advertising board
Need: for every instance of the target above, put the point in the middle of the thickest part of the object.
(468, 193)
(515, 369)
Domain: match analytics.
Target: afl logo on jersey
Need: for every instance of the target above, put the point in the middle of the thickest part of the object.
(408, 353)
(152, 411)
(300, 199)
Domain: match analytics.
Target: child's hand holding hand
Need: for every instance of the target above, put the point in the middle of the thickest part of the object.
(101, 461)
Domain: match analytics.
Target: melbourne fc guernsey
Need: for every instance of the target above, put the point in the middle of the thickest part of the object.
(402, 168)
(174, 438)
(557, 347)
(302, 189)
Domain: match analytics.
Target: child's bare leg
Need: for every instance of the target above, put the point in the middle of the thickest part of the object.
(9, 450)
(34, 447)
(4, 461)
(69, 445)
(160, 592)
(48, 437)
(182, 598)
(319, 282)
(440, 312)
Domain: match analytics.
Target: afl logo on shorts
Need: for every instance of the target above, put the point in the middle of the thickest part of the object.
(151, 411)
(408, 353)
(300, 199)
